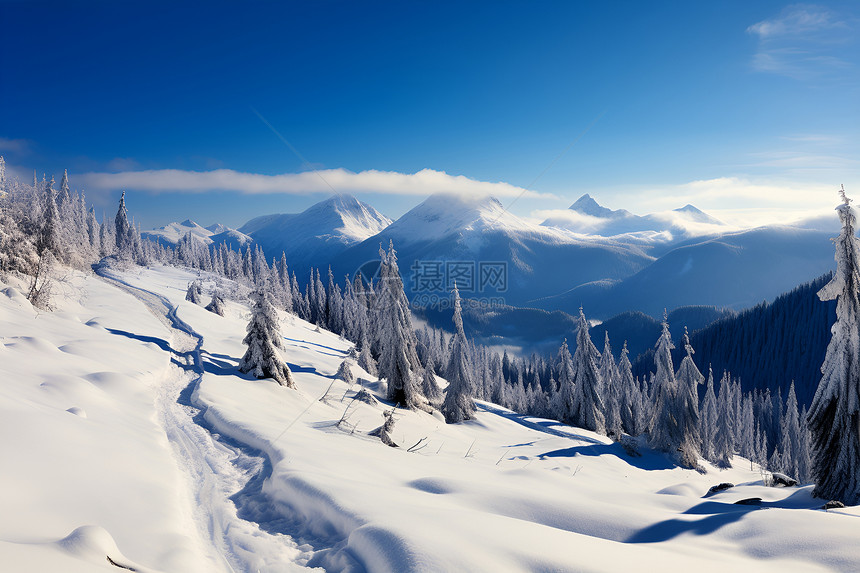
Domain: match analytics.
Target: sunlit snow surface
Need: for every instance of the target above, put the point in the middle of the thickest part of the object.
(89, 399)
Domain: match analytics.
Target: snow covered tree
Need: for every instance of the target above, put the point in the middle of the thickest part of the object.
(50, 237)
(194, 293)
(216, 305)
(610, 389)
(687, 381)
(398, 358)
(563, 398)
(630, 402)
(122, 228)
(724, 436)
(344, 372)
(429, 385)
(365, 359)
(664, 429)
(587, 402)
(834, 416)
(458, 405)
(263, 340)
(708, 419)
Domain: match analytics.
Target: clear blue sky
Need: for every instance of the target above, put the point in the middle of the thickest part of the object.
(754, 97)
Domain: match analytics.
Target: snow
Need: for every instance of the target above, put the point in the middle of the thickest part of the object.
(191, 466)
(216, 233)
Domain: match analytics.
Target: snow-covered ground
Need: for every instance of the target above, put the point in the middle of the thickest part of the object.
(186, 465)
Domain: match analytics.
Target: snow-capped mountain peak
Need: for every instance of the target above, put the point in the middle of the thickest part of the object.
(587, 205)
(697, 215)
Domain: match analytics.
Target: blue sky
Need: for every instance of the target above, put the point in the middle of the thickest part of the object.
(745, 109)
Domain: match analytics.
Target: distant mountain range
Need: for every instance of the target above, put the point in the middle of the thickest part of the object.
(215, 234)
(609, 261)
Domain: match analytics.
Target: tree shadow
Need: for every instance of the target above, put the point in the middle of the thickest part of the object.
(335, 350)
(160, 342)
(647, 460)
(671, 528)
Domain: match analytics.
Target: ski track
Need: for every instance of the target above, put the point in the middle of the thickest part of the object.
(223, 476)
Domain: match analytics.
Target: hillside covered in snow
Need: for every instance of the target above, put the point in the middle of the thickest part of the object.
(174, 461)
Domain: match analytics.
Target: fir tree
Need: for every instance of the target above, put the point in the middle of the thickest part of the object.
(458, 405)
(687, 381)
(708, 419)
(429, 385)
(724, 438)
(398, 359)
(263, 340)
(665, 431)
(217, 305)
(344, 372)
(587, 402)
(122, 228)
(563, 399)
(628, 388)
(610, 389)
(834, 417)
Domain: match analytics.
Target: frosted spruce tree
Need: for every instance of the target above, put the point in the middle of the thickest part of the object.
(398, 358)
(429, 385)
(834, 416)
(664, 430)
(122, 228)
(263, 340)
(458, 405)
(631, 401)
(587, 402)
(609, 389)
(688, 379)
(217, 305)
(724, 434)
(708, 418)
(561, 402)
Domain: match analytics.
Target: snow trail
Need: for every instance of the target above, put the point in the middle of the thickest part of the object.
(222, 475)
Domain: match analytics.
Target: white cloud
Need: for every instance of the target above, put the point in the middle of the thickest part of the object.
(424, 182)
(14, 145)
(803, 42)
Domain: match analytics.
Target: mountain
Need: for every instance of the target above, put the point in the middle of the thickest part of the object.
(735, 270)
(448, 238)
(656, 231)
(215, 234)
(317, 234)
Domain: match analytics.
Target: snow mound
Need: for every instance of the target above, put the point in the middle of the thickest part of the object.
(93, 543)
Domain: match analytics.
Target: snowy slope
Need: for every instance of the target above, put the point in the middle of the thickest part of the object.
(540, 260)
(500, 493)
(318, 233)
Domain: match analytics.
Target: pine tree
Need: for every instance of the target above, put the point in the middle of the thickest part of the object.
(122, 228)
(50, 236)
(194, 293)
(263, 340)
(365, 359)
(344, 372)
(708, 419)
(687, 381)
(398, 359)
(631, 404)
(610, 389)
(216, 305)
(834, 417)
(724, 438)
(665, 431)
(587, 402)
(429, 385)
(789, 446)
(458, 405)
(563, 399)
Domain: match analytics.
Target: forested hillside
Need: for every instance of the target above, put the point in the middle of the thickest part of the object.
(766, 346)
